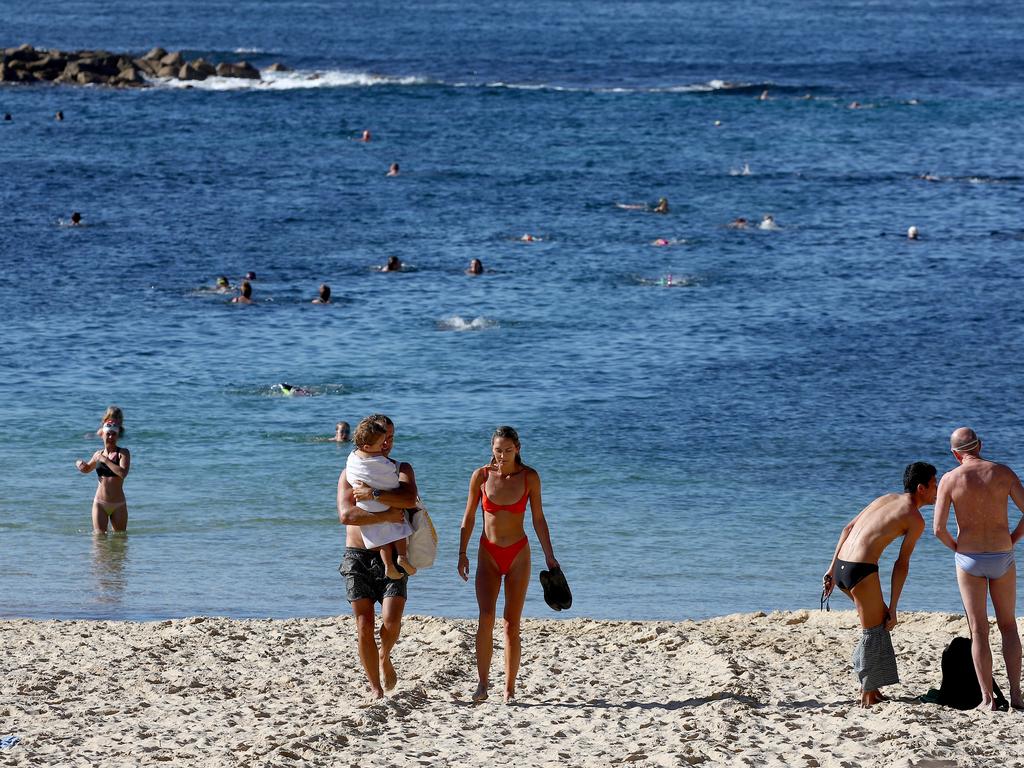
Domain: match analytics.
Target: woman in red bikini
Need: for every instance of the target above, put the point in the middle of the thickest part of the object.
(502, 489)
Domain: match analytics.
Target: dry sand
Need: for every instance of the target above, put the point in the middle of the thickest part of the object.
(740, 690)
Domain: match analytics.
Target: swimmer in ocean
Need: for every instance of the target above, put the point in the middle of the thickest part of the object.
(393, 169)
(912, 233)
(250, 275)
(662, 206)
(291, 391)
(476, 267)
(223, 286)
(76, 218)
(768, 222)
(366, 137)
(394, 265)
(661, 241)
(739, 223)
(246, 297)
(324, 296)
(342, 433)
(109, 506)
(59, 116)
(527, 238)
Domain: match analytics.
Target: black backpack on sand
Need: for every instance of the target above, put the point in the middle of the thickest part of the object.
(960, 689)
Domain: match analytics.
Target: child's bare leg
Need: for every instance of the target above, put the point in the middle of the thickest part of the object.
(402, 550)
(387, 555)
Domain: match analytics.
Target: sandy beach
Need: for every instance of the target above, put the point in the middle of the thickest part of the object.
(747, 689)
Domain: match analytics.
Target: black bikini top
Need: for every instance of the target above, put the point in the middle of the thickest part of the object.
(103, 470)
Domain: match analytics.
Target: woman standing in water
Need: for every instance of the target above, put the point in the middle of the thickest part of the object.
(502, 488)
(111, 464)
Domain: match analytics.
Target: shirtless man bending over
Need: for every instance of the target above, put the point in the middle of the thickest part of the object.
(978, 490)
(854, 570)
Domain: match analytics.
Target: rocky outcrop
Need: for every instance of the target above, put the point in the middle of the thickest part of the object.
(25, 64)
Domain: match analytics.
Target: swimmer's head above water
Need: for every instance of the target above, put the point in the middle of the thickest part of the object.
(342, 432)
(323, 295)
(476, 267)
(394, 264)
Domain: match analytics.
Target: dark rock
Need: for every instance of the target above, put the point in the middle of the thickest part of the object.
(47, 67)
(105, 66)
(202, 65)
(89, 78)
(173, 59)
(188, 72)
(129, 76)
(241, 69)
(167, 70)
(155, 55)
(278, 67)
(22, 53)
(146, 66)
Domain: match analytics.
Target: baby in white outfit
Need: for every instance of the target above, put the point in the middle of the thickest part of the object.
(368, 465)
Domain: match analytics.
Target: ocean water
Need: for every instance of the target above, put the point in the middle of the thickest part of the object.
(700, 443)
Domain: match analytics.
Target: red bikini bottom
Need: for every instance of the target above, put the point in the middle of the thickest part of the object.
(503, 556)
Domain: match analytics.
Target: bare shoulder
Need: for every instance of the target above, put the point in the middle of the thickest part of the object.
(124, 451)
(532, 475)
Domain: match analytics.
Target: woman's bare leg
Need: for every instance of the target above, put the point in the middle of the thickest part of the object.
(99, 518)
(516, 583)
(488, 585)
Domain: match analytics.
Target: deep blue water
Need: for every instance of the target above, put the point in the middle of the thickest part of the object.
(700, 445)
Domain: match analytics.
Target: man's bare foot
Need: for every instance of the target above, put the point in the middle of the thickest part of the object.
(869, 699)
(388, 676)
(510, 695)
(481, 692)
(376, 693)
(988, 706)
(392, 572)
(406, 565)
(1016, 702)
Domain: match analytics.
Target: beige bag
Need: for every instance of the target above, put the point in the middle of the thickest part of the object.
(423, 541)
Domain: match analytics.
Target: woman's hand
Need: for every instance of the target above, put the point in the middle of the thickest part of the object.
(463, 567)
(552, 563)
(81, 466)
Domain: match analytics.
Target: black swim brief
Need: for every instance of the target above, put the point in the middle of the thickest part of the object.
(365, 578)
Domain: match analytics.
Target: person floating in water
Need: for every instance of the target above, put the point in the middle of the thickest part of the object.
(59, 117)
(662, 206)
(111, 463)
(527, 238)
(246, 296)
(768, 222)
(912, 233)
(738, 223)
(289, 390)
(250, 275)
(223, 286)
(76, 219)
(324, 296)
(393, 169)
(341, 433)
(394, 265)
(854, 569)
(366, 137)
(476, 267)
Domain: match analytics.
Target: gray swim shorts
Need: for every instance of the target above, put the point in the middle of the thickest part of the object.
(365, 578)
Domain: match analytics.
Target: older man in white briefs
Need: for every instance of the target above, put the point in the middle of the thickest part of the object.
(978, 490)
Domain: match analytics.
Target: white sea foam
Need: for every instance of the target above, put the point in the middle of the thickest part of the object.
(287, 81)
(457, 323)
(341, 78)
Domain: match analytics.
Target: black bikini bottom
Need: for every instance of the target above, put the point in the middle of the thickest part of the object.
(848, 575)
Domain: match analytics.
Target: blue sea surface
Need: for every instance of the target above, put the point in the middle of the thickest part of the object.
(705, 415)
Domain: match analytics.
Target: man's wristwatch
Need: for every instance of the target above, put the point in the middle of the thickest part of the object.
(375, 493)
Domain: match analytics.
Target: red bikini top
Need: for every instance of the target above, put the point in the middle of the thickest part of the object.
(518, 507)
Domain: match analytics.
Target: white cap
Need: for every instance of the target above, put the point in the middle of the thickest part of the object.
(912, 233)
